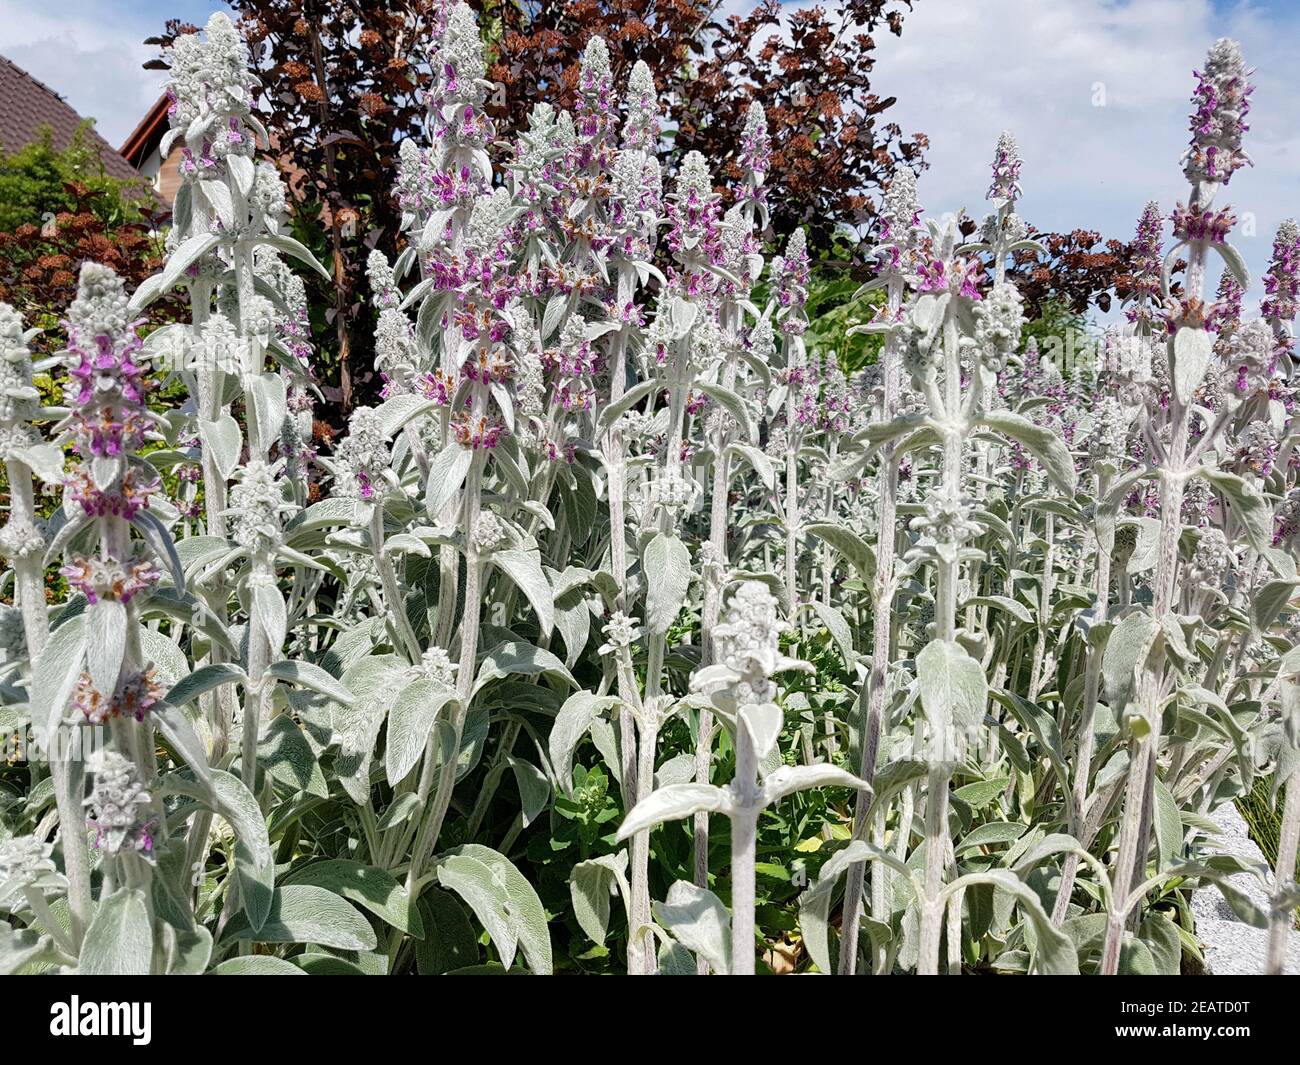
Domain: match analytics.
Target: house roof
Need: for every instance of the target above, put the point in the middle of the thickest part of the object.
(148, 134)
(27, 104)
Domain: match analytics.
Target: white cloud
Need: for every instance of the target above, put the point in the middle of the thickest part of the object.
(90, 53)
(963, 72)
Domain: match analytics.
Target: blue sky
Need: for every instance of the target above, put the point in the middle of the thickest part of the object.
(963, 71)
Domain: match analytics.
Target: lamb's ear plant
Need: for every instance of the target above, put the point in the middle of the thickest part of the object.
(1143, 647)
(899, 238)
(740, 688)
(415, 702)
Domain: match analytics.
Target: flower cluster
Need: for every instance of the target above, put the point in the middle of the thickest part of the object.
(749, 642)
(118, 803)
(97, 578)
(1006, 170)
(136, 695)
(257, 506)
(1221, 102)
(362, 457)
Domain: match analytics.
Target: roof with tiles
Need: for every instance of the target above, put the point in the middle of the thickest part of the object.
(27, 104)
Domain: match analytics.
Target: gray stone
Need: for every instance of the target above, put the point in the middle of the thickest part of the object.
(1232, 947)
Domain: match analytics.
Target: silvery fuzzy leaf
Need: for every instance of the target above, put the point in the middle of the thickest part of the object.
(285, 752)
(634, 395)
(510, 901)
(377, 681)
(762, 723)
(296, 250)
(591, 885)
(524, 568)
(397, 412)
(185, 256)
(370, 888)
(306, 675)
(534, 789)
(222, 440)
(787, 779)
(733, 405)
(241, 169)
(119, 939)
(667, 566)
(514, 657)
(44, 460)
(256, 965)
(270, 407)
(105, 471)
(180, 735)
(570, 725)
(304, 913)
(1192, 349)
(270, 613)
(105, 644)
(698, 920)
(1234, 261)
(410, 723)
(679, 769)
(1126, 652)
(1045, 445)
(220, 200)
(674, 803)
(954, 690)
(849, 544)
(1248, 506)
(758, 461)
(55, 674)
(446, 475)
(1052, 950)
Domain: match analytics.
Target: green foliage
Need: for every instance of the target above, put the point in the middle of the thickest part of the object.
(35, 176)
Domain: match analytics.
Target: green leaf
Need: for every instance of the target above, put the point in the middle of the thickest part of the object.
(306, 675)
(591, 885)
(450, 941)
(849, 544)
(304, 913)
(503, 900)
(370, 888)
